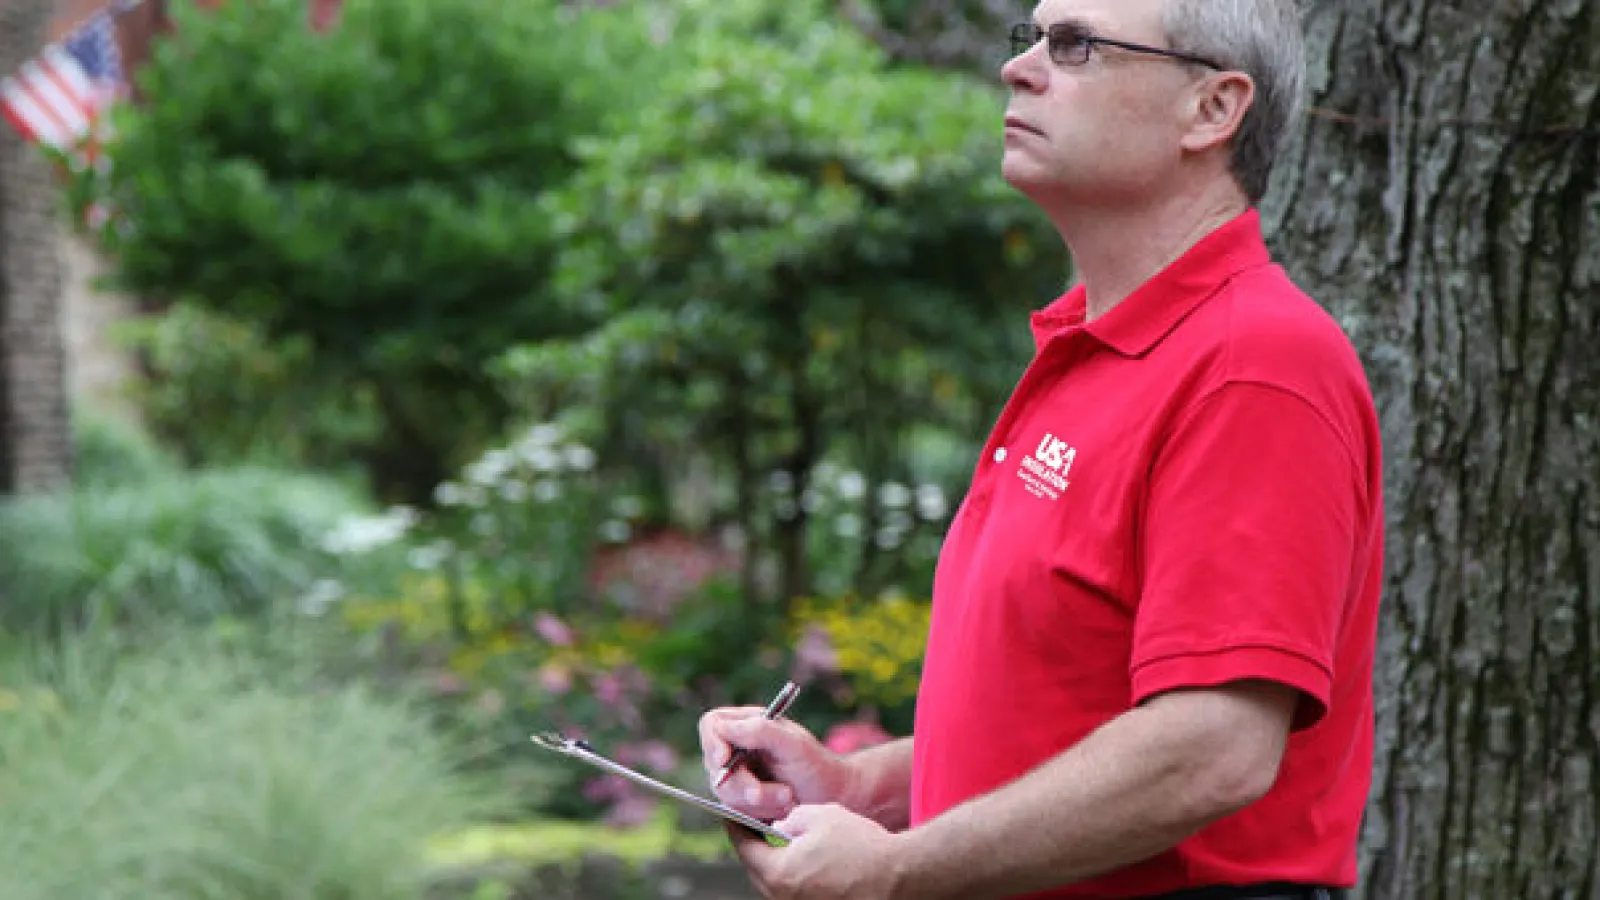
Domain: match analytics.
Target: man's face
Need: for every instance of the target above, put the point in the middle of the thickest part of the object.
(1105, 131)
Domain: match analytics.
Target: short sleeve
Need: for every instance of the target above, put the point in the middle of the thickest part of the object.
(1251, 523)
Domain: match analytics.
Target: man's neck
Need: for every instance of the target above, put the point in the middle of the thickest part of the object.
(1116, 250)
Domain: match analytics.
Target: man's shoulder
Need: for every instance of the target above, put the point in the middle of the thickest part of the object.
(1271, 331)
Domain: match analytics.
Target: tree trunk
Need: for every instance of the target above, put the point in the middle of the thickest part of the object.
(1444, 202)
(35, 437)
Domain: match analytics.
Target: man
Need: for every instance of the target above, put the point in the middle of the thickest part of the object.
(1149, 669)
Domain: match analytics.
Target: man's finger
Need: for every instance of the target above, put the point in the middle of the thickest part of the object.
(751, 847)
(714, 746)
(809, 817)
(755, 854)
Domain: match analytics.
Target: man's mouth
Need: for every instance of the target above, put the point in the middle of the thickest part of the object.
(1020, 125)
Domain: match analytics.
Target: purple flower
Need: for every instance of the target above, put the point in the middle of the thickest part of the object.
(554, 631)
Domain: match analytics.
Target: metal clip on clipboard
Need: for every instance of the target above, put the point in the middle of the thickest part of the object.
(580, 750)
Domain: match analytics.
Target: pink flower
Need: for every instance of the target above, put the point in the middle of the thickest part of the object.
(555, 678)
(631, 811)
(607, 788)
(608, 687)
(814, 655)
(650, 755)
(554, 631)
(847, 737)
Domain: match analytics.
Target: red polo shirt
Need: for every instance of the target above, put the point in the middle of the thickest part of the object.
(1184, 492)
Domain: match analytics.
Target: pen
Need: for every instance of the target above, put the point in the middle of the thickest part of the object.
(779, 705)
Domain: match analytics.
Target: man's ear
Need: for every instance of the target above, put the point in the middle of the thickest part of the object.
(1218, 107)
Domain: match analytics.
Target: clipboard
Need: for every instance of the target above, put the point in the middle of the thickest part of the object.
(580, 750)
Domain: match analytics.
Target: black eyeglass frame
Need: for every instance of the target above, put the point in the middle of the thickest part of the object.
(1025, 35)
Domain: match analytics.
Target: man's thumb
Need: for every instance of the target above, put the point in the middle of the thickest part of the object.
(753, 734)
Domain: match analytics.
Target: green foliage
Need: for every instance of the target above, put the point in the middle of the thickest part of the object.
(869, 651)
(363, 197)
(519, 578)
(787, 251)
(179, 545)
(187, 770)
(112, 452)
(218, 391)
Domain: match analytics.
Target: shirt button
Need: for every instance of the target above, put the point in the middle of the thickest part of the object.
(999, 454)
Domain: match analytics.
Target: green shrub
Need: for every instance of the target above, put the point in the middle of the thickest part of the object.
(194, 546)
(791, 252)
(189, 772)
(111, 452)
(363, 196)
(219, 391)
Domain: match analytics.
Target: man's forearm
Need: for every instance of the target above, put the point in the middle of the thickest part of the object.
(1126, 793)
(880, 783)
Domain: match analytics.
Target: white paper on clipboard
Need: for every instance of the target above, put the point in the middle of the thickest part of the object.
(582, 751)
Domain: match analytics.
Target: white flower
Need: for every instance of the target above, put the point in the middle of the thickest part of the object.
(545, 434)
(810, 500)
(852, 485)
(319, 596)
(930, 502)
(546, 490)
(514, 491)
(484, 524)
(430, 556)
(894, 495)
(490, 468)
(540, 458)
(889, 538)
(847, 525)
(359, 534)
(614, 531)
(780, 482)
(449, 494)
(580, 458)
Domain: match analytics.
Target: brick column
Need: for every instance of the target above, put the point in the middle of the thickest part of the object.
(35, 434)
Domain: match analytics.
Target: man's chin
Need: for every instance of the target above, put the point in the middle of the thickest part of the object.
(1025, 175)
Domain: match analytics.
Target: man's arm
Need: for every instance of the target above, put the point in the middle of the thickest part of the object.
(880, 784)
(1136, 787)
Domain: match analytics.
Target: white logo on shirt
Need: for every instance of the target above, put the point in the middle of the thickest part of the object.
(1045, 470)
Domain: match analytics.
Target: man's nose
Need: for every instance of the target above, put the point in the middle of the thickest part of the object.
(1023, 72)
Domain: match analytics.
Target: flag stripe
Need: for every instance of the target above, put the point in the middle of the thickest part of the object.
(14, 115)
(20, 104)
(60, 105)
(70, 75)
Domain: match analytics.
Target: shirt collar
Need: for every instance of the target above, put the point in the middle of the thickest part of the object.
(1148, 314)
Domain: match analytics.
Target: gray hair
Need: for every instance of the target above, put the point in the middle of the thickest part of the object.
(1263, 39)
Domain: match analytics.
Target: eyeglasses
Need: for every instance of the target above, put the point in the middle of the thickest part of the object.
(1071, 43)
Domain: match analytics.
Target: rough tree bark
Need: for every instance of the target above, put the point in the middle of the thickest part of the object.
(35, 437)
(1444, 201)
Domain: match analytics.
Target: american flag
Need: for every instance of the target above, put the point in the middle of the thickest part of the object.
(57, 97)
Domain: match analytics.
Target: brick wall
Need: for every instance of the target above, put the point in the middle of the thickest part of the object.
(35, 437)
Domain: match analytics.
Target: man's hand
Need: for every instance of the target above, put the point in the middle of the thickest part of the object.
(801, 770)
(834, 855)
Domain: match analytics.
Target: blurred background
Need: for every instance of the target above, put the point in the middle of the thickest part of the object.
(385, 380)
